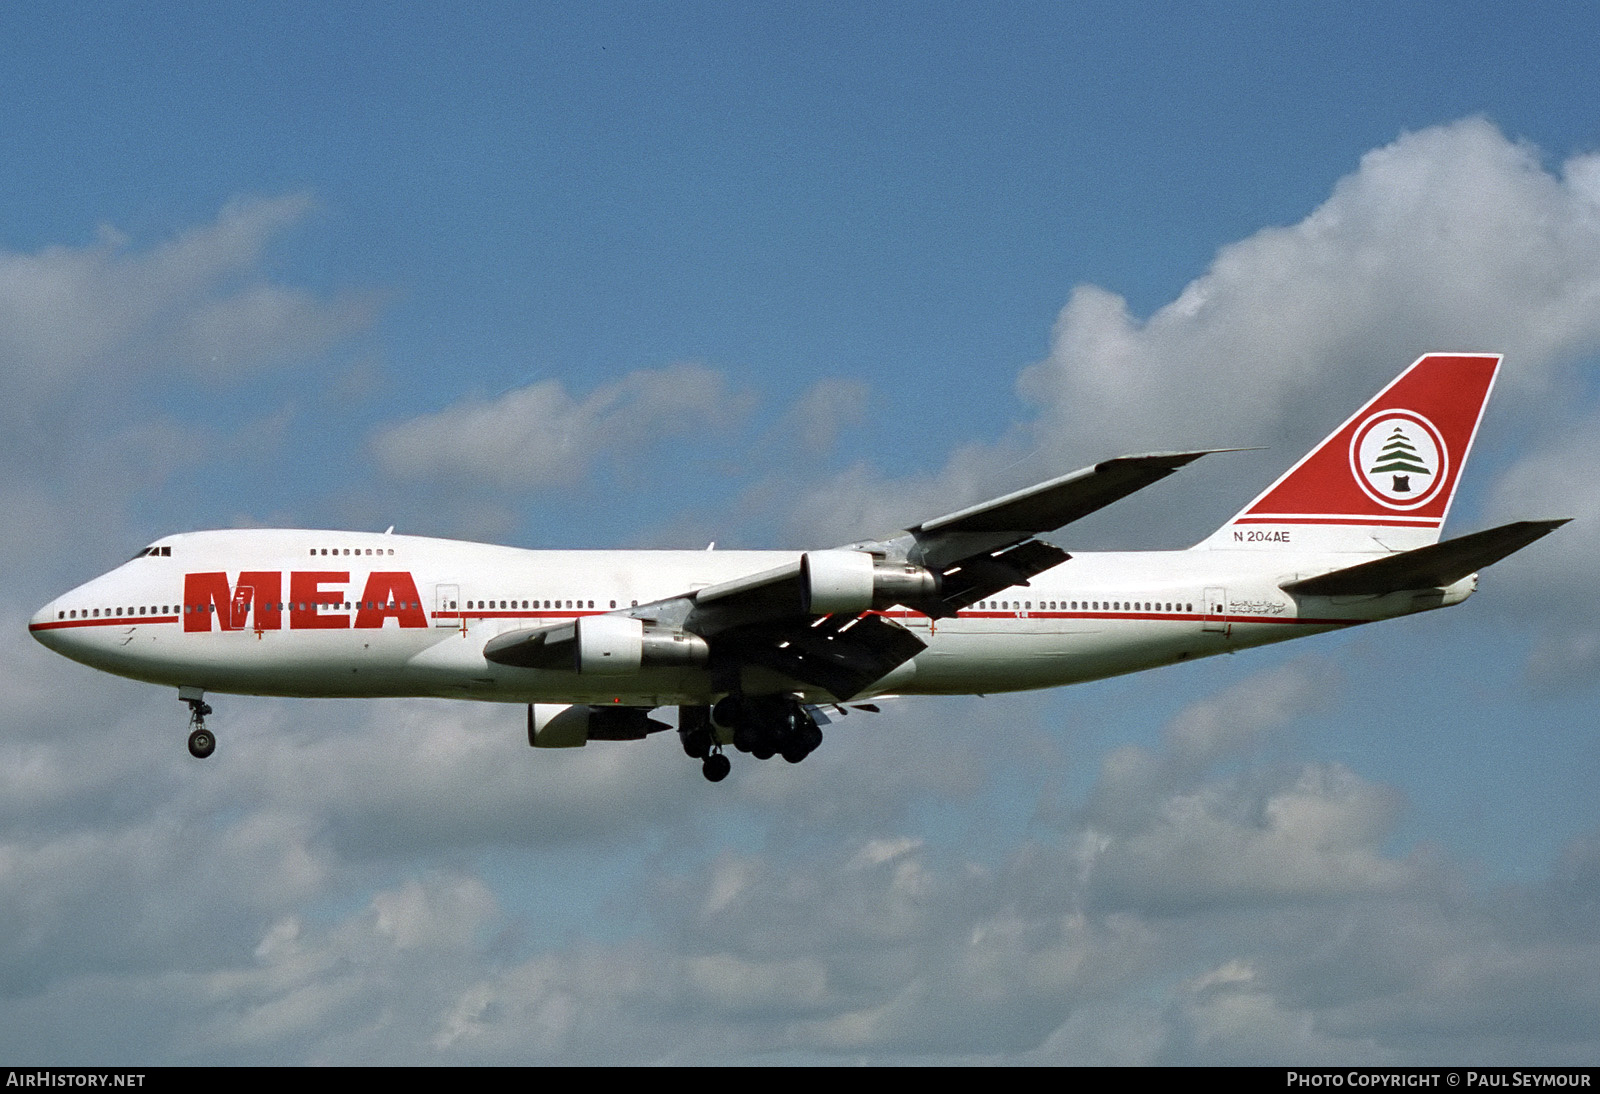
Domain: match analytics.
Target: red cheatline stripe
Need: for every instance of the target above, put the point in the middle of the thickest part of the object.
(528, 613)
(1021, 614)
(114, 621)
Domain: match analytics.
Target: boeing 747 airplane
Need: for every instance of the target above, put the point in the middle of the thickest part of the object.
(755, 648)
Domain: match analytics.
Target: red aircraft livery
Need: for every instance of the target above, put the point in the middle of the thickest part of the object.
(385, 595)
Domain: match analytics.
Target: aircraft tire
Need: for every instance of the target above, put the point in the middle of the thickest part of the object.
(202, 744)
(716, 767)
(747, 736)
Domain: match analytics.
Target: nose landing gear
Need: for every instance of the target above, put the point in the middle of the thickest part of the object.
(202, 742)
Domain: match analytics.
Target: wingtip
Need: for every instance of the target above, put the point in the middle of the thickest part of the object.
(1177, 458)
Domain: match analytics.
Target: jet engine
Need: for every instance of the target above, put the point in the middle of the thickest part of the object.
(614, 645)
(846, 582)
(553, 725)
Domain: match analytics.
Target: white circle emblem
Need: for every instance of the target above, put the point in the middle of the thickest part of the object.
(1399, 459)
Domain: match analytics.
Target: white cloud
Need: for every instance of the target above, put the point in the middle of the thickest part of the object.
(823, 411)
(95, 339)
(199, 302)
(333, 885)
(1452, 237)
(1241, 910)
(541, 436)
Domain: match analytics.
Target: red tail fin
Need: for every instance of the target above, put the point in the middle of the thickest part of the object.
(1385, 478)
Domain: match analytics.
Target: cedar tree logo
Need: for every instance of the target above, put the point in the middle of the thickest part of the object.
(1399, 458)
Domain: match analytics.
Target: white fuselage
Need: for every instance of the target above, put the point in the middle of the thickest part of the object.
(311, 613)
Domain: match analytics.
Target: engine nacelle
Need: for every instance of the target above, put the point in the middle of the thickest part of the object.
(552, 725)
(836, 582)
(847, 582)
(902, 584)
(613, 645)
(610, 645)
(555, 725)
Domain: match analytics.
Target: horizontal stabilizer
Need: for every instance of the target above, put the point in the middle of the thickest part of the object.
(1434, 566)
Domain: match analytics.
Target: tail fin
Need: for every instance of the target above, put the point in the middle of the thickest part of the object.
(1385, 478)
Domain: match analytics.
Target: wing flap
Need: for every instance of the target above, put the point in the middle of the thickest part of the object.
(839, 654)
(975, 579)
(1430, 567)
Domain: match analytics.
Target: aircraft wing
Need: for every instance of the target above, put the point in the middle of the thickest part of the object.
(774, 619)
(1044, 507)
(818, 620)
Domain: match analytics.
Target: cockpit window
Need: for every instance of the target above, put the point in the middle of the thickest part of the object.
(164, 552)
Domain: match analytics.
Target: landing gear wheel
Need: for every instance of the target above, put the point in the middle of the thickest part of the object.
(716, 767)
(202, 742)
(803, 742)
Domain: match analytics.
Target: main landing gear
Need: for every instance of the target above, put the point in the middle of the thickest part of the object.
(762, 725)
(202, 742)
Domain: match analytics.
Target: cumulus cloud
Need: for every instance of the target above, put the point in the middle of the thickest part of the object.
(1270, 922)
(1452, 237)
(541, 435)
(198, 302)
(1211, 730)
(823, 411)
(94, 339)
(1556, 479)
(333, 886)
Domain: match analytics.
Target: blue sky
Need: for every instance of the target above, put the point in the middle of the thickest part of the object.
(648, 275)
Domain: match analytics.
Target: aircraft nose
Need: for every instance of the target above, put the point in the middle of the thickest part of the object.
(40, 625)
